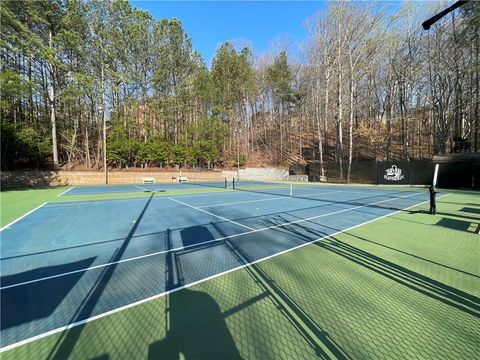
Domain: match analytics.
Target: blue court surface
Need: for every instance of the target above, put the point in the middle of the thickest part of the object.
(129, 188)
(68, 262)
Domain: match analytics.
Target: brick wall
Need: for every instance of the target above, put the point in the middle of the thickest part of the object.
(51, 178)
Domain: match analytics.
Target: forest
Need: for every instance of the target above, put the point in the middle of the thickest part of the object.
(369, 83)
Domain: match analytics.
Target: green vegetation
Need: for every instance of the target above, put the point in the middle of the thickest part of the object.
(399, 287)
(28, 143)
(201, 146)
(69, 62)
(73, 70)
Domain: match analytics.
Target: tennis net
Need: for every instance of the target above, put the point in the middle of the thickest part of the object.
(266, 187)
(208, 182)
(313, 190)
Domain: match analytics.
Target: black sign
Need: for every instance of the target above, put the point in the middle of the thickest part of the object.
(393, 173)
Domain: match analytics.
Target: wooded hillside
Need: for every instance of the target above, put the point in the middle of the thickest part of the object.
(370, 84)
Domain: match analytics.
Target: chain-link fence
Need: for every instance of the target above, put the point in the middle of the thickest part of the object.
(456, 171)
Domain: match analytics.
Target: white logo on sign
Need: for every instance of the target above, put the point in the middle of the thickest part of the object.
(393, 174)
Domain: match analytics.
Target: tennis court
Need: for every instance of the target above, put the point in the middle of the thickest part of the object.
(77, 247)
(136, 188)
(68, 263)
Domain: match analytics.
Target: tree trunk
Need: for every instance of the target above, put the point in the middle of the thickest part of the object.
(388, 101)
(339, 124)
(319, 133)
(327, 103)
(30, 92)
(52, 99)
(476, 125)
(350, 126)
(104, 120)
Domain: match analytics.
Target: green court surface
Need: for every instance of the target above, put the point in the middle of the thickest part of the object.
(401, 287)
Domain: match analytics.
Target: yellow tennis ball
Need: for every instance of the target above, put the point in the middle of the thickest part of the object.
(134, 221)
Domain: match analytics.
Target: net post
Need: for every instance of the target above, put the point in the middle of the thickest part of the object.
(233, 182)
(225, 183)
(435, 176)
(432, 191)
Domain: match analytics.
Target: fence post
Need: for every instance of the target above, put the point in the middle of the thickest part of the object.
(409, 173)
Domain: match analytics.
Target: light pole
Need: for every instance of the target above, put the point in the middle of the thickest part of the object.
(105, 169)
(238, 131)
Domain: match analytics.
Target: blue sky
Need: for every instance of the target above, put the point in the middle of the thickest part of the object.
(260, 24)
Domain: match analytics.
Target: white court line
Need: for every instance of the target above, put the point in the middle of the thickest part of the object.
(246, 202)
(193, 245)
(141, 188)
(211, 214)
(63, 193)
(381, 191)
(148, 299)
(92, 202)
(320, 193)
(21, 217)
(159, 196)
(311, 187)
(209, 193)
(353, 188)
(269, 199)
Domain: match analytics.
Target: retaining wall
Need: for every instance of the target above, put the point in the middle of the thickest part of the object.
(257, 174)
(52, 178)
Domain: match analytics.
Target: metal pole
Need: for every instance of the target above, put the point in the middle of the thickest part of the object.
(238, 157)
(105, 149)
(104, 115)
(238, 153)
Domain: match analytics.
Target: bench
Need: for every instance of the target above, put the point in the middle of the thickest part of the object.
(148, 180)
(182, 179)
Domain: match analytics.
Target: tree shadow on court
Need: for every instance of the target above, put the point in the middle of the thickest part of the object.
(67, 340)
(195, 325)
(410, 254)
(425, 285)
(190, 237)
(316, 235)
(319, 340)
(470, 210)
(325, 203)
(466, 225)
(23, 304)
(357, 205)
(456, 224)
(101, 357)
(461, 216)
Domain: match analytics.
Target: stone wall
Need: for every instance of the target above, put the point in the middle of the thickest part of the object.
(52, 178)
(296, 178)
(260, 174)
